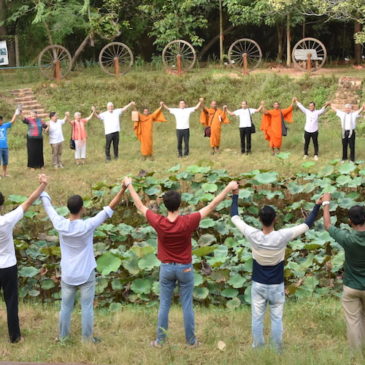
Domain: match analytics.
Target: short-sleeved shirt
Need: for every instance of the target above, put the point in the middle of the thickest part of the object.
(353, 242)
(4, 134)
(55, 131)
(182, 116)
(111, 120)
(174, 238)
(79, 130)
(7, 224)
(348, 120)
(35, 126)
(245, 116)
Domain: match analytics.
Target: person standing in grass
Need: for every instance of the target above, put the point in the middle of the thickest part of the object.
(35, 141)
(273, 125)
(311, 125)
(174, 250)
(77, 260)
(348, 125)
(79, 135)
(246, 124)
(54, 129)
(143, 129)
(4, 148)
(182, 116)
(268, 252)
(8, 263)
(213, 118)
(111, 122)
(353, 243)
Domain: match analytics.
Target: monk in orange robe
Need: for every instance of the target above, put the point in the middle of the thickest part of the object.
(143, 129)
(271, 125)
(213, 117)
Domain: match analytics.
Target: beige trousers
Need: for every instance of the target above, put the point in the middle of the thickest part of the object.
(353, 302)
(56, 154)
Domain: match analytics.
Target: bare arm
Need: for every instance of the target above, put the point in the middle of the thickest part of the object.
(136, 199)
(231, 113)
(165, 106)
(128, 106)
(34, 196)
(197, 106)
(13, 119)
(326, 211)
(116, 200)
(261, 107)
(204, 212)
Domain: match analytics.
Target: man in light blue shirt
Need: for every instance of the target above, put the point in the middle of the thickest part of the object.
(4, 148)
(77, 259)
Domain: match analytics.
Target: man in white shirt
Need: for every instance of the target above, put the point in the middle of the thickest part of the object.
(348, 126)
(8, 265)
(182, 116)
(111, 122)
(246, 124)
(311, 126)
(77, 259)
(54, 129)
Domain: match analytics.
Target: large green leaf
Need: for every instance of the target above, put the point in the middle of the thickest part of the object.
(346, 168)
(229, 293)
(141, 286)
(108, 263)
(203, 251)
(237, 281)
(28, 271)
(148, 262)
(266, 177)
(200, 293)
(209, 187)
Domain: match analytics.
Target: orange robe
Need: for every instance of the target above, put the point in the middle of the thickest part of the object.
(143, 130)
(272, 127)
(213, 118)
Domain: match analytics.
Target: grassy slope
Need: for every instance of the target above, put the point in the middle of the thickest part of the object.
(148, 88)
(314, 338)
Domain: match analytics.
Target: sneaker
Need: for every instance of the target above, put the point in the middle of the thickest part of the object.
(195, 344)
(315, 158)
(156, 344)
(305, 157)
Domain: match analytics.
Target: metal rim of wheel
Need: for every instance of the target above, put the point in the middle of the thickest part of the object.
(242, 46)
(110, 52)
(48, 57)
(173, 49)
(310, 43)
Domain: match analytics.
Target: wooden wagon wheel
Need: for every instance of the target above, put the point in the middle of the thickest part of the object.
(112, 52)
(179, 48)
(242, 46)
(311, 46)
(49, 57)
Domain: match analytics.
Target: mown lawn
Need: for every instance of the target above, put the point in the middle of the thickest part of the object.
(314, 335)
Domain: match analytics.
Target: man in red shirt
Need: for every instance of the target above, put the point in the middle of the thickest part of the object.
(174, 250)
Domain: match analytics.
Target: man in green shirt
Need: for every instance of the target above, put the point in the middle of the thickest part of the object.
(353, 242)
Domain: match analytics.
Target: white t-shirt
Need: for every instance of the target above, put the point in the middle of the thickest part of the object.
(182, 116)
(7, 250)
(111, 120)
(76, 241)
(244, 114)
(55, 131)
(311, 118)
(348, 120)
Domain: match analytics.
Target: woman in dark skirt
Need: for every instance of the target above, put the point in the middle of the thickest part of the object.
(35, 141)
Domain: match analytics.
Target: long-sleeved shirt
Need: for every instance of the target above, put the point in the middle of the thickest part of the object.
(76, 241)
(348, 121)
(311, 118)
(268, 250)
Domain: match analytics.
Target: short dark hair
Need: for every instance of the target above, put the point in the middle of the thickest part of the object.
(312, 102)
(267, 215)
(52, 114)
(357, 215)
(75, 204)
(2, 199)
(172, 200)
(1, 117)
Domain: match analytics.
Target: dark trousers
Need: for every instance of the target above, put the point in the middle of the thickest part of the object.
(183, 135)
(109, 138)
(307, 138)
(348, 142)
(9, 285)
(245, 134)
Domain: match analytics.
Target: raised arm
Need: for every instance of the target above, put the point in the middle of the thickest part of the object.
(164, 106)
(93, 111)
(334, 109)
(43, 181)
(261, 107)
(13, 119)
(132, 103)
(204, 212)
(197, 106)
(230, 113)
(67, 117)
(326, 199)
(116, 200)
(136, 199)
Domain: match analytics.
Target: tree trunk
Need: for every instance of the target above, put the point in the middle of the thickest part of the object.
(288, 48)
(2, 17)
(209, 44)
(279, 32)
(79, 50)
(220, 32)
(357, 48)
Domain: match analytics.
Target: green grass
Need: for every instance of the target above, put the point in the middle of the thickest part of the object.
(314, 335)
(147, 88)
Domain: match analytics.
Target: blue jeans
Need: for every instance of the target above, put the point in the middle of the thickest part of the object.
(261, 295)
(170, 274)
(68, 293)
(4, 156)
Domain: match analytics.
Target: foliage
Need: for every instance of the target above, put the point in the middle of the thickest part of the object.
(125, 246)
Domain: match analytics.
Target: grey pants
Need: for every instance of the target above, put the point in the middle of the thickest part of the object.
(56, 154)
